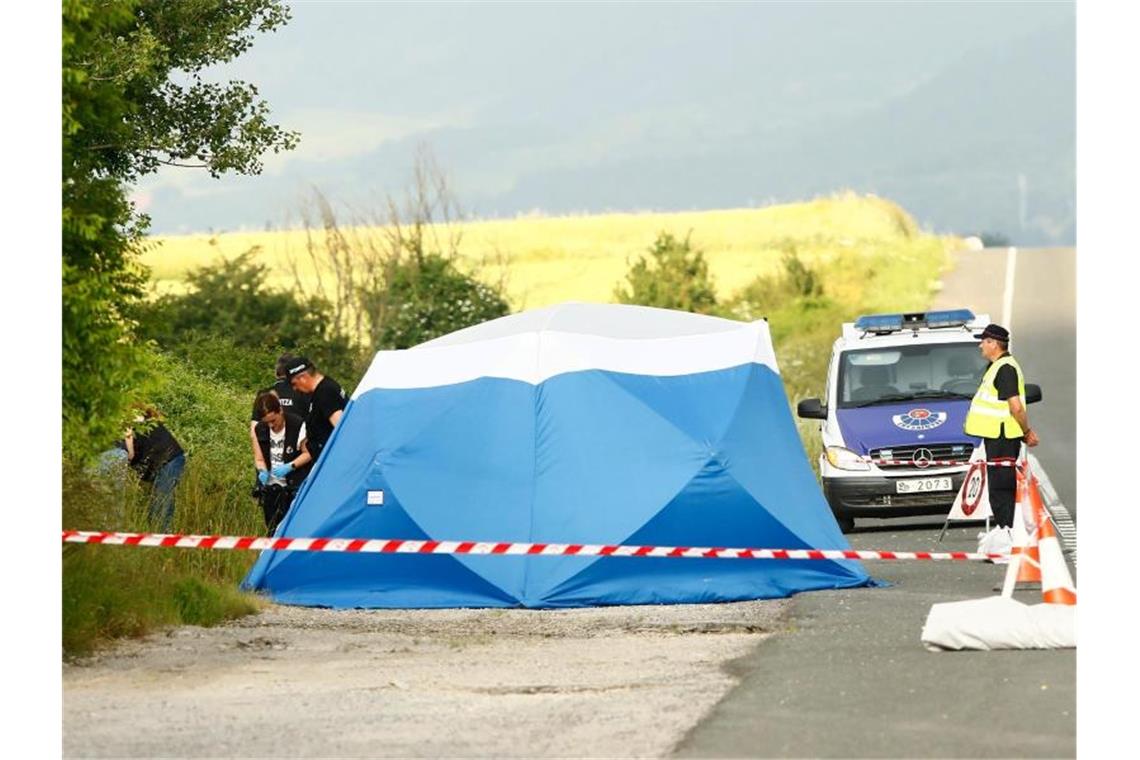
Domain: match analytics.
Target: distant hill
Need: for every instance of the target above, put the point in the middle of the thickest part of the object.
(951, 152)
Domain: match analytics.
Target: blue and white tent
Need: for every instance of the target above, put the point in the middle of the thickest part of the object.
(578, 423)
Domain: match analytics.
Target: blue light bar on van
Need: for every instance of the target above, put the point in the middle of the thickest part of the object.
(949, 318)
(883, 324)
(880, 323)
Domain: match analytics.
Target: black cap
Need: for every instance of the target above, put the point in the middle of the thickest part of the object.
(297, 366)
(997, 332)
(283, 363)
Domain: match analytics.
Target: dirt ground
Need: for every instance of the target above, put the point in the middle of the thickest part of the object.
(297, 682)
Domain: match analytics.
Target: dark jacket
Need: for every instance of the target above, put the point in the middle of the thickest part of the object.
(154, 448)
(292, 447)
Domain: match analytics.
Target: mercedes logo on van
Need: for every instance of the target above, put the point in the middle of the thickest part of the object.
(922, 458)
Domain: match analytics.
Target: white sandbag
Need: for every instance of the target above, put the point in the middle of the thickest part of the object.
(999, 540)
(999, 623)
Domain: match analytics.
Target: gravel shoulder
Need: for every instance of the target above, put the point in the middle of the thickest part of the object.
(300, 682)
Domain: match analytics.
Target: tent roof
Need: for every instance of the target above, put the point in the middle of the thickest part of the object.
(600, 320)
(536, 345)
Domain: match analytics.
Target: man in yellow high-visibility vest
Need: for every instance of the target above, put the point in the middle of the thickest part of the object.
(997, 415)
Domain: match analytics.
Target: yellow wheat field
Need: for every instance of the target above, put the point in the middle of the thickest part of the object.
(547, 260)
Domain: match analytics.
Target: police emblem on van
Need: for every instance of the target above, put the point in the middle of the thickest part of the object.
(919, 419)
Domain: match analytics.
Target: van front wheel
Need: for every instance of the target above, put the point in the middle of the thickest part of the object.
(846, 524)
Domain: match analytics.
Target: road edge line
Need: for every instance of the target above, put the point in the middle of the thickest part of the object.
(1057, 509)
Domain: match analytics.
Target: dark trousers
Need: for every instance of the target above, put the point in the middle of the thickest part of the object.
(1002, 480)
(161, 508)
(275, 503)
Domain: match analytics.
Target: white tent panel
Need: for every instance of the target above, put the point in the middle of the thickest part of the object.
(573, 338)
(603, 320)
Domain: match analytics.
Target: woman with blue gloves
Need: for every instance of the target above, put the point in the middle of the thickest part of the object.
(284, 460)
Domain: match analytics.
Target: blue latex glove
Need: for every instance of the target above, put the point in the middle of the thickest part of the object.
(262, 477)
(282, 470)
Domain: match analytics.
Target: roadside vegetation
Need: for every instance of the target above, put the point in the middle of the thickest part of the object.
(109, 592)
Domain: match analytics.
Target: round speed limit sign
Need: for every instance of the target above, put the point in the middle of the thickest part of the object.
(973, 487)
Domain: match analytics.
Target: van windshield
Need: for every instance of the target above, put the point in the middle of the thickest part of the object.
(902, 373)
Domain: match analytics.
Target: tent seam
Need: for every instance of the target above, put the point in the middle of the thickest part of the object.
(731, 467)
(685, 484)
(740, 402)
(457, 558)
(468, 389)
(608, 374)
(533, 492)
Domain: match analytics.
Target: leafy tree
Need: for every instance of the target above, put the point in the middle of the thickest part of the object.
(672, 276)
(134, 99)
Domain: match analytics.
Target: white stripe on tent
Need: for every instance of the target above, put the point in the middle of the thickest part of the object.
(534, 357)
(622, 321)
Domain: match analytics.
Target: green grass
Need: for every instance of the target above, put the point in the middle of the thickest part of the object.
(111, 592)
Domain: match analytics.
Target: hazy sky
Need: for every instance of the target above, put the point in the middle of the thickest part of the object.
(531, 105)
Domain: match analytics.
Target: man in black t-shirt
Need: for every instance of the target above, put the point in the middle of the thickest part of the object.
(326, 402)
(292, 402)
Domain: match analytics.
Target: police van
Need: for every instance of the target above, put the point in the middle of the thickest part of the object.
(898, 389)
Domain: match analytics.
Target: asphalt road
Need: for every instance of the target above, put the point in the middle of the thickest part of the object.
(850, 677)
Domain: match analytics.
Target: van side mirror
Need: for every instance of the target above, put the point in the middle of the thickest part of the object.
(1032, 393)
(812, 409)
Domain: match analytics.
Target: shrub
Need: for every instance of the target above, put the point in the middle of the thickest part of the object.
(231, 298)
(672, 276)
(769, 293)
(232, 327)
(425, 297)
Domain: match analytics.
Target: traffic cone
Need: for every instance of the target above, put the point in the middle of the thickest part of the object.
(1056, 583)
(1030, 570)
(1025, 562)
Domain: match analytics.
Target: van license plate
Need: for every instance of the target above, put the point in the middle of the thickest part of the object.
(922, 485)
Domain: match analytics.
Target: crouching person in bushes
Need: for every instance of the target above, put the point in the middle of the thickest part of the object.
(284, 460)
(157, 457)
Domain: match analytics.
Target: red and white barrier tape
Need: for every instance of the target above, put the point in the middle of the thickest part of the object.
(401, 546)
(943, 462)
